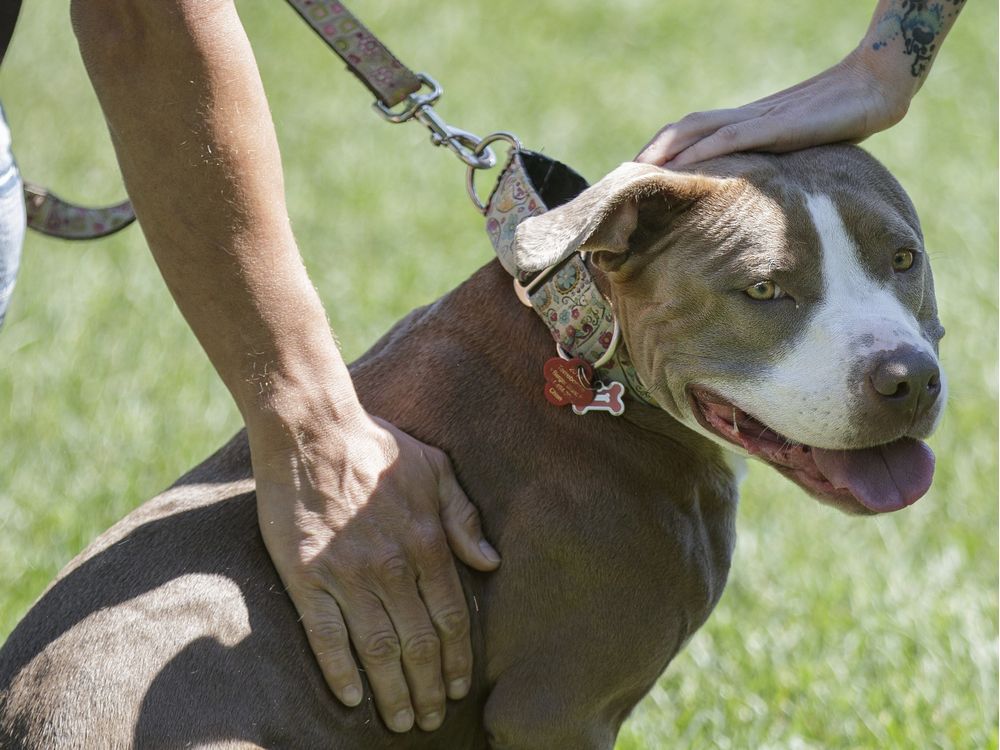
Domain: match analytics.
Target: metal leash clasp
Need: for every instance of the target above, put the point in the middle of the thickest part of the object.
(419, 106)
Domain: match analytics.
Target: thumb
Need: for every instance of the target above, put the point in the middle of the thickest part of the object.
(461, 525)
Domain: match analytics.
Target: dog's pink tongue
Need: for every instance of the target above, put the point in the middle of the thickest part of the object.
(882, 479)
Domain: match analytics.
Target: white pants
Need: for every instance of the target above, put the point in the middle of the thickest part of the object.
(12, 218)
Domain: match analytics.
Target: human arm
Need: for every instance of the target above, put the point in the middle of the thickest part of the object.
(868, 91)
(353, 511)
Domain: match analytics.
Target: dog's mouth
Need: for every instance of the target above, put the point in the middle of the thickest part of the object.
(880, 479)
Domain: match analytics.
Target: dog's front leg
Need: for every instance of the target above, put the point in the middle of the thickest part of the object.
(539, 719)
(557, 699)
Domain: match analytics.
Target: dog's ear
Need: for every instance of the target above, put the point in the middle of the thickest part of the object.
(622, 213)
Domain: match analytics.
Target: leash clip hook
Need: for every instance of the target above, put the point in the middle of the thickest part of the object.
(419, 106)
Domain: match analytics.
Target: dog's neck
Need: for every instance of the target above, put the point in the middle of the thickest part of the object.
(485, 334)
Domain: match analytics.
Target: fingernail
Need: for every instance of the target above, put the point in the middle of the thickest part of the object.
(458, 688)
(431, 721)
(488, 552)
(352, 695)
(403, 721)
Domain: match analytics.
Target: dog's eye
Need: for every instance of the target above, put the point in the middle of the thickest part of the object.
(902, 260)
(764, 290)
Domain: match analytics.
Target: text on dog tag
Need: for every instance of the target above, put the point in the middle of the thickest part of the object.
(567, 381)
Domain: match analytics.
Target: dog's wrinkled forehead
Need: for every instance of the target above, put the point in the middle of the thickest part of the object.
(763, 188)
(759, 198)
(770, 215)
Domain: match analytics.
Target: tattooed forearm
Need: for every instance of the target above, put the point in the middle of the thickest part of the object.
(920, 25)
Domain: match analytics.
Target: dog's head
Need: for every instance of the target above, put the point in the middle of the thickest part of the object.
(782, 306)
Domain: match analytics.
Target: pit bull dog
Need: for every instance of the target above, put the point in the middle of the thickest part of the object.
(780, 307)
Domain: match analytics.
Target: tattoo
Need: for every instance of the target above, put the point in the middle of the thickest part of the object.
(919, 23)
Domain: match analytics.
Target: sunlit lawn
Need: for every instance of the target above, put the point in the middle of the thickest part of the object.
(834, 632)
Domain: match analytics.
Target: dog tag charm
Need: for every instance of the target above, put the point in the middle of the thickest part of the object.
(607, 397)
(567, 381)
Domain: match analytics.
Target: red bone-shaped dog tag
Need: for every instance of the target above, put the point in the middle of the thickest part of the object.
(567, 381)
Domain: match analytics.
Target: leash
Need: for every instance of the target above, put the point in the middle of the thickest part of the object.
(592, 370)
(49, 214)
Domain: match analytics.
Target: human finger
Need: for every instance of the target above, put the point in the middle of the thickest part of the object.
(419, 645)
(324, 625)
(378, 648)
(444, 599)
(675, 137)
(741, 136)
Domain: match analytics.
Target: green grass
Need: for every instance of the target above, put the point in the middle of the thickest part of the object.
(834, 632)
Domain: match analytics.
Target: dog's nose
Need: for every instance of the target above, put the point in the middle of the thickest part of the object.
(905, 381)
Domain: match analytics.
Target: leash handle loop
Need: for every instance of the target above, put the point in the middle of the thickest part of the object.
(49, 214)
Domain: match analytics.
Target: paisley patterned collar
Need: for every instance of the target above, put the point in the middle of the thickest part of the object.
(565, 296)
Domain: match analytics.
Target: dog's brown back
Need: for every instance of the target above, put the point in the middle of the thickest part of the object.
(173, 627)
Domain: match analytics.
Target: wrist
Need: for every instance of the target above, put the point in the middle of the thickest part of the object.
(293, 392)
(301, 419)
(887, 72)
(297, 391)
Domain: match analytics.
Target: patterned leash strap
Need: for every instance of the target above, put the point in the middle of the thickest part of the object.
(366, 57)
(565, 296)
(401, 95)
(51, 215)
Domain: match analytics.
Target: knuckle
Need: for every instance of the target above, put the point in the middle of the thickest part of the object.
(729, 133)
(379, 647)
(468, 518)
(391, 566)
(321, 569)
(422, 648)
(452, 624)
(429, 542)
(313, 575)
(690, 120)
(330, 633)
